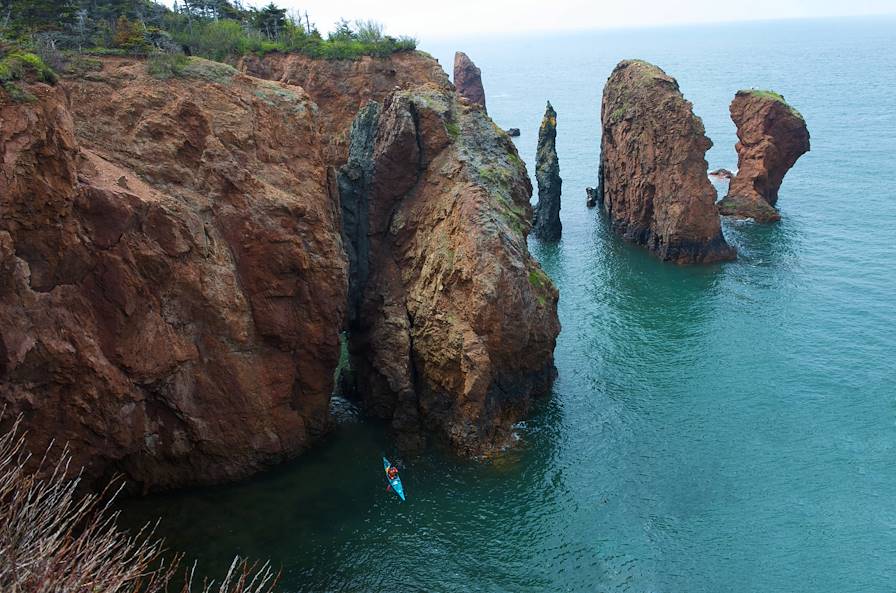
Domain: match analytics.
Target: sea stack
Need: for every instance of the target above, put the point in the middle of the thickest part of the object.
(455, 326)
(772, 135)
(653, 171)
(547, 172)
(468, 80)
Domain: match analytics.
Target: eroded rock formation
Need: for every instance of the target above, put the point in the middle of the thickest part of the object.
(456, 323)
(468, 80)
(653, 180)
(772, 135)
(174, 266)
(547, 225)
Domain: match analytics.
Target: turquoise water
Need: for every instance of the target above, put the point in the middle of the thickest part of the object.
(723, 428)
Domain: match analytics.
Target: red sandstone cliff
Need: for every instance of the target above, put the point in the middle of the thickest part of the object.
(173, 274)
(171, 287)
(653, 181)
(772, 135)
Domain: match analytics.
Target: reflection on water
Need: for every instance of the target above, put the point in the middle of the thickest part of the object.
(718, 428)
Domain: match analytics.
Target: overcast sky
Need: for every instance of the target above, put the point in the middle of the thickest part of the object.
(452, 18)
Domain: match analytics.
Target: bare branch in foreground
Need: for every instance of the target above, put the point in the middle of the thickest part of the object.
(53, 540)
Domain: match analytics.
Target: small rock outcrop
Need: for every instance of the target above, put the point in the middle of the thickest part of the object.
(591, 197)
(547, 225)
(468, 80)
(772, 135)
(513, 132)
(653, 171)
(721, 173)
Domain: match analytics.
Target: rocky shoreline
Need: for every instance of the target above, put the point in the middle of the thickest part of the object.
(181, 255)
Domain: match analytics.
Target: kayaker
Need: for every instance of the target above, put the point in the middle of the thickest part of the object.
(392, 472)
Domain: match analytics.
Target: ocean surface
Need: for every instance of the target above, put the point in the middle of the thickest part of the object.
(713, 429)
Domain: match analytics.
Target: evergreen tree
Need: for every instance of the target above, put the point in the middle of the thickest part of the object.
(40, 15)
(270, 20)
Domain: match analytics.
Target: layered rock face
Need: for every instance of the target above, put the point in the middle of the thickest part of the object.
(772, 135)
(652, 180)
(468, 80)
(174, 268)
(173, 287)
(340, 88)
(456, 324)
(547, 225)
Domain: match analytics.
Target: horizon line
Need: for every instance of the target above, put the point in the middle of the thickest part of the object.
(636, 27)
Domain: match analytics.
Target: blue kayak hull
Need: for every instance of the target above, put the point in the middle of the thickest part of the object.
(397, 488)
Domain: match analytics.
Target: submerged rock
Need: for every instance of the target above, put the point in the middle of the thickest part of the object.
(772, 135)
(653, 171)
(592, 197)
(457, 322)
(513, 132)
(468, 80)
(721, 174)
(547, 172)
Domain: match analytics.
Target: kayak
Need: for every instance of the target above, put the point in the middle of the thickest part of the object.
(396, 483)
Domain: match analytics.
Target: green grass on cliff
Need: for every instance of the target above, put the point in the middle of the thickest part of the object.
(540, 282)
(17, 66)
(166, 66)
(772, 95)
(766, 94)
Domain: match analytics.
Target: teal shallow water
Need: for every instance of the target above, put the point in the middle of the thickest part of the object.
(722, 428)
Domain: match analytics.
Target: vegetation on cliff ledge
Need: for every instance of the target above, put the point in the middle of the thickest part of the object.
(16, 66)
(220, 30)
(771, 95)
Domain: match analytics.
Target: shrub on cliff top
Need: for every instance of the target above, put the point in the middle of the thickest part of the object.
(19, 65)
(52, 540)
(165, 66)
